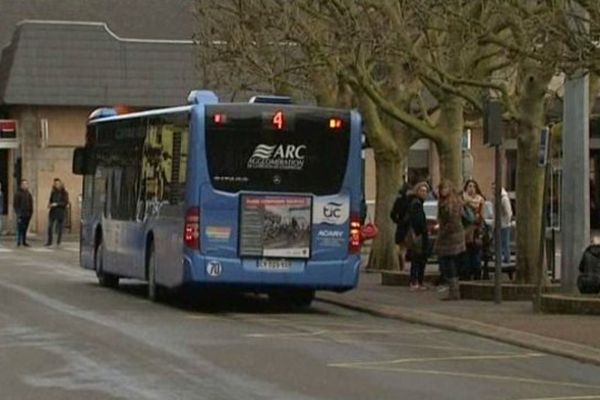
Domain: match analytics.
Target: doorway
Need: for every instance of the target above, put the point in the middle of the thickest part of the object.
(4, 157)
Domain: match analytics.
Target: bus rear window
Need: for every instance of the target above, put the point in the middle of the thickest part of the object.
(285, 149)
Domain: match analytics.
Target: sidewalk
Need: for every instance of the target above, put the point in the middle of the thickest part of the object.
(572, 336)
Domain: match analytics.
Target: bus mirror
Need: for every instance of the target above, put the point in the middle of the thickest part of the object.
(83, 161)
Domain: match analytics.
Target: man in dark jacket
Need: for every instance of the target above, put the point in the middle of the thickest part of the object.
(419, 247)
(23, 205)
(59, 199)
(400, 216)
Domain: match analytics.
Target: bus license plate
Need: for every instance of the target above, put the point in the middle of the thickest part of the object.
(274, 264)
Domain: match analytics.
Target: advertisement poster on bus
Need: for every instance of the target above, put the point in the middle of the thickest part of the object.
(276, 226)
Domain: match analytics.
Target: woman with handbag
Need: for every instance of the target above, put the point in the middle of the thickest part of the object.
(474, 202)
(419, 238)
(450, 242)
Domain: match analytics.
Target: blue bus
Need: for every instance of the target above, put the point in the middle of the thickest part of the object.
(262, 196)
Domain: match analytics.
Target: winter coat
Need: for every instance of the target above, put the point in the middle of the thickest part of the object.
(61, 198)
(23, 203)
(418, 223)
(473, 231)
(401, 204)
(451, 235)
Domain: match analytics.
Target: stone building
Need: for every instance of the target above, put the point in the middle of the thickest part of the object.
(54, 73)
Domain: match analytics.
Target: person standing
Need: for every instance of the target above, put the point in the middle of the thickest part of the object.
(450, 242)
(1, 206)
(23, 205)
(400, 216)
(473, 198)
(59, 199)
(419, 249)
(506, 214)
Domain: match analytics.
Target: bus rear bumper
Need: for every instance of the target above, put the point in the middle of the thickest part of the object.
(335, 275)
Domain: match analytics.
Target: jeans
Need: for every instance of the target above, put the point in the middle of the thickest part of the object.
(505, 242)
(449, 267)
(471, 265)
(22, 225)
(417, 270)
(57, 219)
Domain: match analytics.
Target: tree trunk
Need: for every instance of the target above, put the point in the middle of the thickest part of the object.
(530, 177)
(390, 146)
(388, 179)
(451, 124)
(530, 184)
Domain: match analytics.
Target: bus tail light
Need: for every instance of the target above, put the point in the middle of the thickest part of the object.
(191, 232)
(355, 242)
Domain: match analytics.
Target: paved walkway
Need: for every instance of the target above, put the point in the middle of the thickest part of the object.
(574, 336)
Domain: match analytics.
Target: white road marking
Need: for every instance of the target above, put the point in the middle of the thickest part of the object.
(41, 250)
(315, 333)
(514, 379)
(432, 359)
(592, 397)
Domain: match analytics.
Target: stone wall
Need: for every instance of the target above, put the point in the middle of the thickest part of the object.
(46, 157)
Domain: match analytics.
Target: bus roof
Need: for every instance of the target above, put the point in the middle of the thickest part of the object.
(141, 114)
(187, 108)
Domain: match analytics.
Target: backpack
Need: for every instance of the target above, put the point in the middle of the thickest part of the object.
(588, 280)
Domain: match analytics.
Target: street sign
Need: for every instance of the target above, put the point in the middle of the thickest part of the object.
(544, 150)
(493, 125)
(8, 134)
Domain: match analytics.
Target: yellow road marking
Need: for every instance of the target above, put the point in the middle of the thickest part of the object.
(431, 359)
(514, 379)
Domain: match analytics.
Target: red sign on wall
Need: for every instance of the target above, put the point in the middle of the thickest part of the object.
(8, 133)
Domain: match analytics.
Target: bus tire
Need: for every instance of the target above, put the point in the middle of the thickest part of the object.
(104, 279)
(155, 291)
(295, 298)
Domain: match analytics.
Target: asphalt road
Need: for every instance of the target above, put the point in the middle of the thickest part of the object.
(64, 337)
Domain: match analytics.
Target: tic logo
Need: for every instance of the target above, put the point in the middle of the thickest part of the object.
(332, 211)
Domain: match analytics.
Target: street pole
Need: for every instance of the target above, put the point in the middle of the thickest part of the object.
(493, 130)
(544, 156)
(497, 227)
(575, 208)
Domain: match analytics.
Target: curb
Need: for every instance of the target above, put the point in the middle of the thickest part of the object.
(558, 347)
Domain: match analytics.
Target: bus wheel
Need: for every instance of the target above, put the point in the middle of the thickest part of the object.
(104, 279)
(155, 291)
(298, 298)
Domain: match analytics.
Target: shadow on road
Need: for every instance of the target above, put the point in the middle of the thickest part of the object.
(216, 301)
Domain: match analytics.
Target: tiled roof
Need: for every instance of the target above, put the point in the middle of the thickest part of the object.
(148, 19)
(86, 64)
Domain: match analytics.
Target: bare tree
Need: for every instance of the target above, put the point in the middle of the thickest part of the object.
(415, 69)
(290, 47)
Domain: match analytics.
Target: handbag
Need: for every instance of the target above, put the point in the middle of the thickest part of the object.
(369, 231)
(468, 217)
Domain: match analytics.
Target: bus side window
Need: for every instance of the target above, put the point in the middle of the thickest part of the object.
(165, 162)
